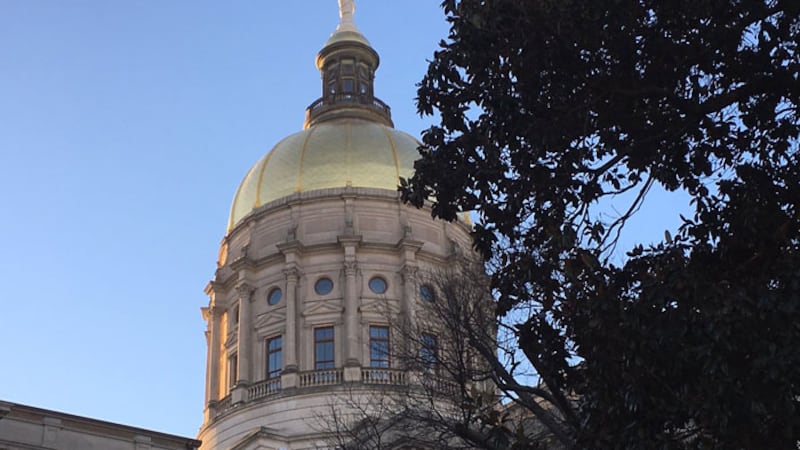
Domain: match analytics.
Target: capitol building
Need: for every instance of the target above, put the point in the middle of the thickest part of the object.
(320, 263)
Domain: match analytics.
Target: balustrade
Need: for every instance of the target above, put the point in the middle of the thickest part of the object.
(321, 378)
(264, 389)
(383, 376)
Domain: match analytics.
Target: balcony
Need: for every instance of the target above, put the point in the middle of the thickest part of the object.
(263, 389)
(273, 388)
(348, 106)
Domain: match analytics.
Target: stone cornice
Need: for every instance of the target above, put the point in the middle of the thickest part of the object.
(293, 246)
(30, 414)
(242, 262)
(349, 240)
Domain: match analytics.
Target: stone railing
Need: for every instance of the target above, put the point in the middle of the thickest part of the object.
(321, 377)
(358, 99)
(440, 386)
(264, 389)
(330, 377)
(383, 376)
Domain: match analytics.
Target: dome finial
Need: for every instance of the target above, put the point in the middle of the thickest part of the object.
(347, 9)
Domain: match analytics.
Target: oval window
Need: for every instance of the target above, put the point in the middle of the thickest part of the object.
(274, 296)
(426, 293)
(323, 286)
(377, 285)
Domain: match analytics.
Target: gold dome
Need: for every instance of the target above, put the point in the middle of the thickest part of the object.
(331, 154)
(348, 137)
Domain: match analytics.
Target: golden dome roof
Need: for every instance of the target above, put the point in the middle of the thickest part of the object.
(348, 139)
(331, 154)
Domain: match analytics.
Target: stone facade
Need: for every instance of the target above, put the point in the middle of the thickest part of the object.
(24, 427)
(320, 261)
(349, 236)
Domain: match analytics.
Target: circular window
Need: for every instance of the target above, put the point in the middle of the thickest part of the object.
(323, 286)
(426, 293)
(377, 285)
(274, 296)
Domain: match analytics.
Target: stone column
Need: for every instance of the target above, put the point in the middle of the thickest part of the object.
(213, 351)
(207, 317)
(409, 274)
(244, 337)
(290, 339)
(292, 251)
(351, 315)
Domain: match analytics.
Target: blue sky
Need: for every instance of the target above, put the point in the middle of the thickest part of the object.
(125, 128)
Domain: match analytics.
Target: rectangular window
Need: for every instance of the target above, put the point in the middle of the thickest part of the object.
(233, 369)
(347, 67)
(429, 352)
(379, 347)
(274, 357)
(348, 85)
(323, 348)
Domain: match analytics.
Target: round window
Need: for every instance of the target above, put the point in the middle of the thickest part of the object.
(377, 285)
(323, 286)
(426, 293)
(274, 296)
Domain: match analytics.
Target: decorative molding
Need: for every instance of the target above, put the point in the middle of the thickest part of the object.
(292, 273)
(350, 268)
(409, 273)
(269, 319)
(324, 307)
(379, 305)
(245, 291)
(291, 246)
(347, 241)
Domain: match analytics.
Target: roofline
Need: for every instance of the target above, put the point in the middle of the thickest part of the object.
(9, 410)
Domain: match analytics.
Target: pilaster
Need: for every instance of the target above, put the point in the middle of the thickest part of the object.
(351, 301)
(245, 294)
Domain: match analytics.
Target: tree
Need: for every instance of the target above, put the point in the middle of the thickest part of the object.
(448, 400)
(550, 108)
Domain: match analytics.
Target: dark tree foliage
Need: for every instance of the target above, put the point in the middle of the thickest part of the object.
(550, 107)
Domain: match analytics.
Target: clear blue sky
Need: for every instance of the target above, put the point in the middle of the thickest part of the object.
(125, 128)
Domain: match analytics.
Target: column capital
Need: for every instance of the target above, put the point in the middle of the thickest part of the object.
(409, 273)
(350, 268)
(245, 291)
(291, 274)
(211, 312)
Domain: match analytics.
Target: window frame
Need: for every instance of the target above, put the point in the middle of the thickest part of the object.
(381, 279)
(324, 364)
(320, 280)
(384, 362)
(233, 369)
(429, 352)
(272, 373)
(431, 297)
(271, 293)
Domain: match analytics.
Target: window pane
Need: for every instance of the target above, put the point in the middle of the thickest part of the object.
(377, 285)
(274, 296)
(233, 367)
(323, 348)
(428, 351)
(323, 286)
(323, 333)
(348, 86)
(379, 332)
(379, 346)
(274, 357)
(426, 293)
